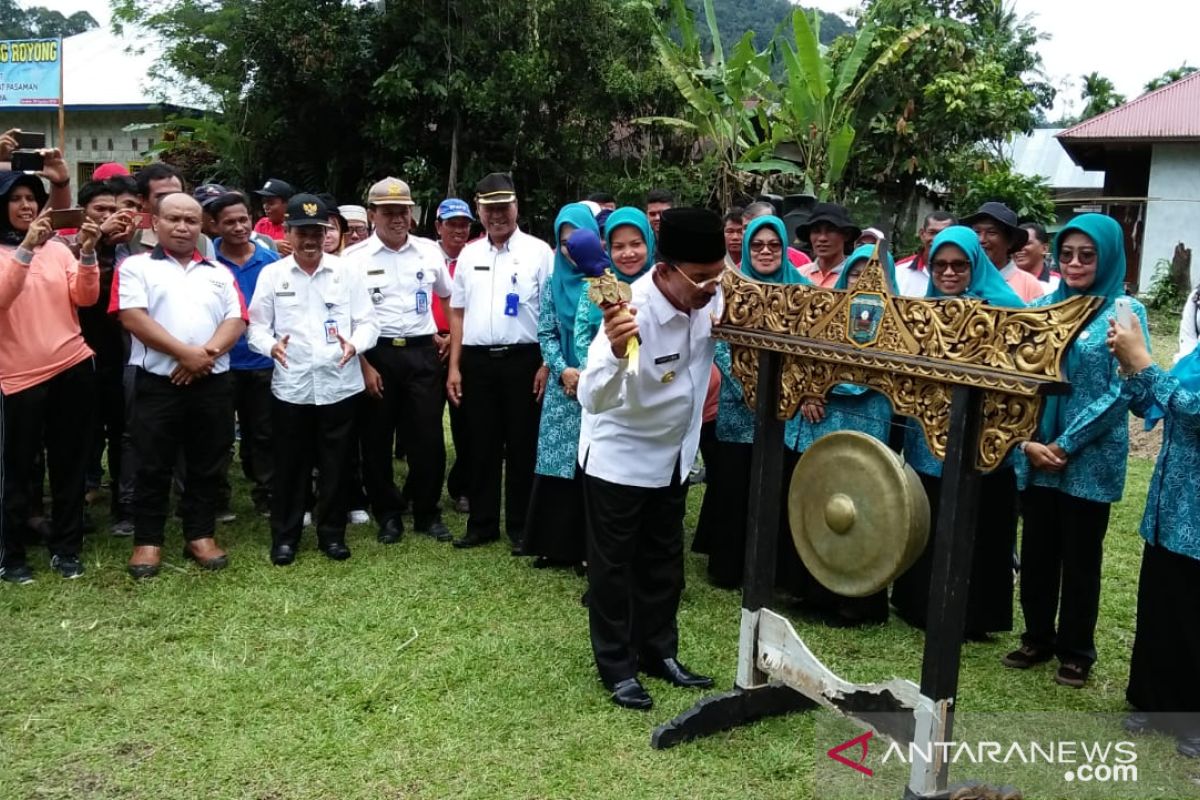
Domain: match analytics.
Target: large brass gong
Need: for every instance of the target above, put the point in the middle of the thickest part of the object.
(858, 513)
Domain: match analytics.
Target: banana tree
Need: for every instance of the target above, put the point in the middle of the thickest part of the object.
(819, 106)
(727, 100)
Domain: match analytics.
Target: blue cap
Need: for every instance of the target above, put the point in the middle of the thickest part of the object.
(453, 207)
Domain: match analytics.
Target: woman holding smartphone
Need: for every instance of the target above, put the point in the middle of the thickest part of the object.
(46, 371)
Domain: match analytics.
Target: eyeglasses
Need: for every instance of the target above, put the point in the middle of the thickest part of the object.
(958, 265)
(701, 285)
(1084, 256)
(765, 247)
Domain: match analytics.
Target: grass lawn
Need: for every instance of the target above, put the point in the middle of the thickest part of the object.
(420, 671)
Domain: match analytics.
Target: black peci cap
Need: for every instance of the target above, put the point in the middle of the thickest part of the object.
(691, 235)
(307, 209)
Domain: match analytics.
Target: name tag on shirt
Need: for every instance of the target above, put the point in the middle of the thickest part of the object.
(483, 268)
(375, 272)
(667, 359)
(285, 294)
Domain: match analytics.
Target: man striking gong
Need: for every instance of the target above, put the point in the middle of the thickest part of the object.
(639, 435)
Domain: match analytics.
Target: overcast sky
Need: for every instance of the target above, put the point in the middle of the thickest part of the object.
(1130, 42)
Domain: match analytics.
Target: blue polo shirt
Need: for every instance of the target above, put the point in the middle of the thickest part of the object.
(241, 357)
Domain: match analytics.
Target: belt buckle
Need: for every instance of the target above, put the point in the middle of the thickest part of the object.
(400, 342)
(498, 351)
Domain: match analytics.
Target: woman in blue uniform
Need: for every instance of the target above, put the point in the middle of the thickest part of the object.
(721, 529)
(1075, 471)
(958, 267)
(554, 530)
(1166, 645)
(847, 408)
(629, 241)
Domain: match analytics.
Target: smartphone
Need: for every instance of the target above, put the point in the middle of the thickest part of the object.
(30, 140)
(61, 218)
(1124, 312)
(27, 161)
(142, 220)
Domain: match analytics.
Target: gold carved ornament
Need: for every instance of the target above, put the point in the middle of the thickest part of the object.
(911, 350)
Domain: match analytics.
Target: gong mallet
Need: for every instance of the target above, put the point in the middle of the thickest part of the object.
(604, 288)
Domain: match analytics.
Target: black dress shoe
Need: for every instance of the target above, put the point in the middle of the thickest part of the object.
(338, 551)
(472, 539)
(676, 674)
(630, 693)
(1139, 722)
(435, 530)
(1188, 746)
(391, 531)
(282, 555)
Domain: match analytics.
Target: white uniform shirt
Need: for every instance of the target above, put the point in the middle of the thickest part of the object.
(912, 280)
(290, 302)
(484, 278)
(1189, 323)
(642, 430)
(394, 277)
(189, 300)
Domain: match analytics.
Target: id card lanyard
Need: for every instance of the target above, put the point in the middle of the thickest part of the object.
(422, 296)
(331, 328)
(512, 301)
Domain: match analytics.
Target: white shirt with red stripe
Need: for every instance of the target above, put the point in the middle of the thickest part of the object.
(189, 300)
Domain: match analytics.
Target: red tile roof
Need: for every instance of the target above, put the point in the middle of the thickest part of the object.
(1171, 113)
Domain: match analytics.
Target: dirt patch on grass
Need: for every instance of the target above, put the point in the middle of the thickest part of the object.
(1144, 443)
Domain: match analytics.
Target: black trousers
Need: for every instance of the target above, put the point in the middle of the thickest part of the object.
(635, 573)
(108, 427)
(127, 474)
(305, 436)
(1166, 644)
(57, 415)
(413, 395)
(1062, 550)
(252, 403)
(194, 421)
(458, 479)
(502, 420)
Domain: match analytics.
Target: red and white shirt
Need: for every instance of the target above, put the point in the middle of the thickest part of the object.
(189, 300)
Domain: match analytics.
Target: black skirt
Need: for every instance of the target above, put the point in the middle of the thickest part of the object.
(555, 527)
(721, 529)
(1165, 667)
(990, 598)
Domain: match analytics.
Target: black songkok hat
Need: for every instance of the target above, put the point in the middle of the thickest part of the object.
(691, 235)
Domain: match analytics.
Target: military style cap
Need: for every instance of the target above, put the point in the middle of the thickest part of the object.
(307, 209)
(691, 235)
(495, 189)
(390, 192)
(275, 188)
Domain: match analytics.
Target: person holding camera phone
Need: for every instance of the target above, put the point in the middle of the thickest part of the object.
(26, 151)
(47, 372)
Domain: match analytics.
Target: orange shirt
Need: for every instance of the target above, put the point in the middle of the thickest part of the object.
(1027, 287)
(826, 280)
(268, 228)
(39, 325)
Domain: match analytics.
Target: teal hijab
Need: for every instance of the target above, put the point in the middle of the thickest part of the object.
(863, 253)
(566, 281)
(626, 215)
(1105, 233)
(786, 274)
(987, 284)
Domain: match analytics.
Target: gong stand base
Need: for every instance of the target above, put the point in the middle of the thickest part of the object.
(721, 712)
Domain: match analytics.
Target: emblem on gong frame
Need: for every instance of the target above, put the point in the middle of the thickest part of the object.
(866, 313)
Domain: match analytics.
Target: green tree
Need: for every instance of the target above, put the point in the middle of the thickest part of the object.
(764, 17)
(38, 22)
(983, 179)
(1098, 95)
(1170, 76)
(970, 83)
(333, 93)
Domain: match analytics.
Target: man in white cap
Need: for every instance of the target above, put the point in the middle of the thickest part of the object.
(404, 276)
(358, 227)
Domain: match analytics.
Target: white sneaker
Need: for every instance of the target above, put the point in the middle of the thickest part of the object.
(358, 517)
(307, 518)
